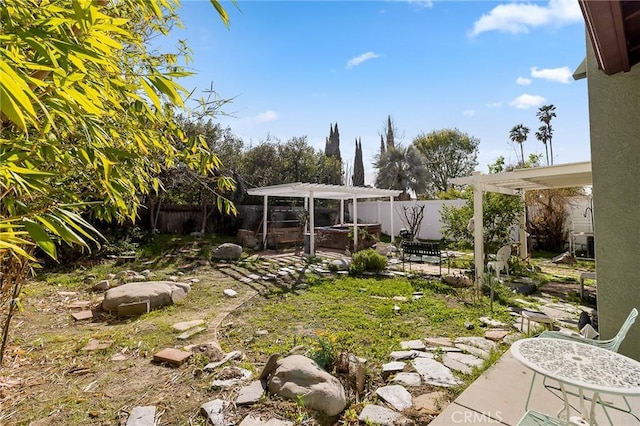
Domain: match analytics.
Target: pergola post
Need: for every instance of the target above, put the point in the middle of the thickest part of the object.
(478, 238)
(393, 235)
(355, 224)
(523, 230)
(265, 212)
(312, 226)
(341, 211)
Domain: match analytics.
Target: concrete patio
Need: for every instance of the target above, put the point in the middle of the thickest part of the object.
(499, 395)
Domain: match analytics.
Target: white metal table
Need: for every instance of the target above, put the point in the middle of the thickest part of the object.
(588, 368)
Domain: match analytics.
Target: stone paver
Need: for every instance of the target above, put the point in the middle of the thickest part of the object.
(396, 396)
(250, 394)
(142, 416)
(407, 379)
(186, 325)
(416, 345)
(393, 367)
(382, 416)
(172, 356)
(434, 372)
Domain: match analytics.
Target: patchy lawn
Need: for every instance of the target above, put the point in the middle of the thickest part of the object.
(48, 378)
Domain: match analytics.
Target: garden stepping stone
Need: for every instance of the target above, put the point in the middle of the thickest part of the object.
(377, 415)
(473, 350)
(228, 357)
(253, 276)
(435, 373)
(430, 403)
(439, 341)
(172, 356)
(416, 345)
(496, 334)
(407, 379)
(142, 416)
(396, 396)
(191, 332)
(245, 280)
(212, 410)
(478, 342)
(400, 355)
(462, 363)
(393, 367)
(250, 394)
(186, 325)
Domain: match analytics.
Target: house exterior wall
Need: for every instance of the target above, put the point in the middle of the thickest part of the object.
(614, 112)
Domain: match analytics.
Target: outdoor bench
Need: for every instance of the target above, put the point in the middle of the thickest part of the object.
(418, 251)
(291, 235)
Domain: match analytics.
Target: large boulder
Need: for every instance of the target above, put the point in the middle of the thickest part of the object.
(298, 377)
(158, 293)
(227, 251)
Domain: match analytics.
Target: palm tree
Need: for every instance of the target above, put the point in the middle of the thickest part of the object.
(545, 114)
(519, 134)
(544, 135)
(402, 169)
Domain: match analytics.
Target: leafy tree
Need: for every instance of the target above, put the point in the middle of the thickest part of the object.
(500, 213)
(87, 122)
(447, 154)
(402, 169)
(518, 134)
(545, 132)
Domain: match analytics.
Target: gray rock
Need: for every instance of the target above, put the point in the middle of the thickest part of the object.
(396, 396)
(250, 394)
(227, 251)
(377, 415)
(158, 293)
(111, 276)
(439, 341)
(102, 285)
(340, 264)
(212, 410)
(435, 373)
(297, 376)
(407, 379)
(230, 293)
(491, 322)
(142, 416)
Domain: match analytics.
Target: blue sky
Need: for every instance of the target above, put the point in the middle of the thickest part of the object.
(295, 67)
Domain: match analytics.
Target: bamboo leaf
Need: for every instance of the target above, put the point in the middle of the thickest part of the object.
(41, 238)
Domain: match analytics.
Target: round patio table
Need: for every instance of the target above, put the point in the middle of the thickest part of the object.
(587, 367)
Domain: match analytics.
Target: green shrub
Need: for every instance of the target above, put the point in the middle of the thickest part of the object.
(367, 260)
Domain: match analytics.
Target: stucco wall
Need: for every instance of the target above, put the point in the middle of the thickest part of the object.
(614, 113)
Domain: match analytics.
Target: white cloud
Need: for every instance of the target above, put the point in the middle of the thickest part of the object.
(525, 101)
(421, 3)
(469, 112)
(523, 81)
(561, 75)
(494, 104)
(517, 18)
(353, 62)
(267, 116)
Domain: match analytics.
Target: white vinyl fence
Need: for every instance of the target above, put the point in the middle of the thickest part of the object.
(379, 212)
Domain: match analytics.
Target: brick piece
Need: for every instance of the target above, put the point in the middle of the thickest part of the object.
(172, 356)
(82, 315)
(80, 304)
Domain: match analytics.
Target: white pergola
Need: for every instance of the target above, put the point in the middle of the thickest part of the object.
(517, 182)
(311, 191)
